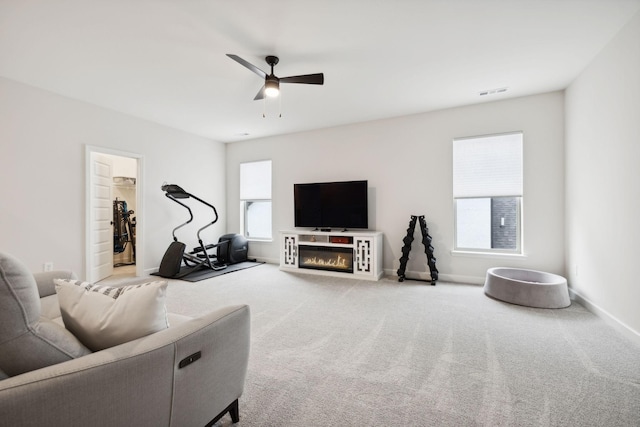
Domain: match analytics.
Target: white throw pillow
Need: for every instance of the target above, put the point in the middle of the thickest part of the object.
(103, 316)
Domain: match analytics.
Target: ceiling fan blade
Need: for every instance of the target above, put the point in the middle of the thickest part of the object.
(260, 94)
(310, 79)
(249, 65)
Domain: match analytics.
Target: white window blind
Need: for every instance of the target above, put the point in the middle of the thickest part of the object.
(255, 180)
(488, 166)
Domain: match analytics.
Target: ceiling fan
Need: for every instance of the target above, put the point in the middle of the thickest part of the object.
(271, 81)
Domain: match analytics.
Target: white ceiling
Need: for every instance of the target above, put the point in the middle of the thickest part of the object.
(164, 60)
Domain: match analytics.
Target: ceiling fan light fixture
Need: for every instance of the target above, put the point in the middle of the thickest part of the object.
(271, 88)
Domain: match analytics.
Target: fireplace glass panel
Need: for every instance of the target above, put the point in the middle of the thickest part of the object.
(325, 258)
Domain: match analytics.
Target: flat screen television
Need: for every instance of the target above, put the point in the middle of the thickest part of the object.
(331, 205)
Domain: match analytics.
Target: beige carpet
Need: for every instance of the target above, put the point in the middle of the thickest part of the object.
(343, 352)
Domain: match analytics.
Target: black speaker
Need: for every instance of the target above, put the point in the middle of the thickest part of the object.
(234, 251)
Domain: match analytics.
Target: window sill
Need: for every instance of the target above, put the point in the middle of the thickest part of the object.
(498, 255)
(249, 239)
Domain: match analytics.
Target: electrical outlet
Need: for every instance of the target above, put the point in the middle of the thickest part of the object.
(48, 266)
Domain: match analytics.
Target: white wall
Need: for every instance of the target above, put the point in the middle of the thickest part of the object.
(603, 177)
(42, 171)
(408, 163)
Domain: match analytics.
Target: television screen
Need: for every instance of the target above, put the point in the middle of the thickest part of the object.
(331, 204)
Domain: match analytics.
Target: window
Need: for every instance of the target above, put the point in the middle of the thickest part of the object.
(487, 193)
(255, 200)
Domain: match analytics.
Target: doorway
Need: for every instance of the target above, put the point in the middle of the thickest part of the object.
(114, 212)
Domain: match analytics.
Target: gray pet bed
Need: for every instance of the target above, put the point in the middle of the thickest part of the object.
(527, 287)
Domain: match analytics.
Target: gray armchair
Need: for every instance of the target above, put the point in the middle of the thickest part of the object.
(190, 374)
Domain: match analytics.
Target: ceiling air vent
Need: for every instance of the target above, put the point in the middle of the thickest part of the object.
(493, 91)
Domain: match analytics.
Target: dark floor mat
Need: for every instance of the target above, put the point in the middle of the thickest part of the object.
(206, 273)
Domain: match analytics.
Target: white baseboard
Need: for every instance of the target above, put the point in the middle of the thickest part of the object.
(616, 323)
(457, 278)
(267, 260)
(150, 271)
(421, 275)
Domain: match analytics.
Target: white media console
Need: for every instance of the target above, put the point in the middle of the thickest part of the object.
(356, 254)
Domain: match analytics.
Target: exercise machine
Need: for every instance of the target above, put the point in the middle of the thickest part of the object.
(123, 230)
(229, 249)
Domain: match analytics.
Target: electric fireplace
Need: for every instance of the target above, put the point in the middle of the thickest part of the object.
(326, 258)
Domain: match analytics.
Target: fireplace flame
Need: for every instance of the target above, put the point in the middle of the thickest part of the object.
(337, 262)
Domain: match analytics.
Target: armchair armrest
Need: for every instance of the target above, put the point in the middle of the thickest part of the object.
(44, 280)
(140, 382)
